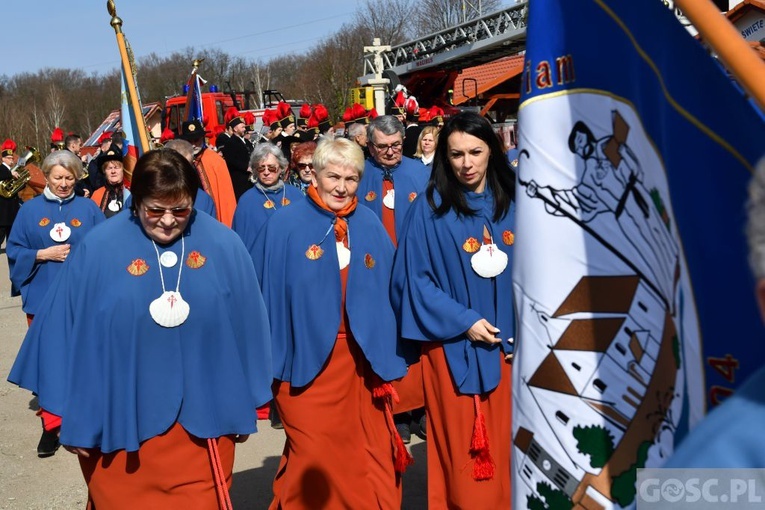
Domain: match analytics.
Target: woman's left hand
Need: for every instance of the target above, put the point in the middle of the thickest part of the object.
(483, 331)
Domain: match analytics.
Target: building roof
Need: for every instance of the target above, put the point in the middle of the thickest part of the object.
(486, 76)
(743, 8)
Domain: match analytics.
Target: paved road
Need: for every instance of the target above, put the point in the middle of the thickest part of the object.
(29, 483)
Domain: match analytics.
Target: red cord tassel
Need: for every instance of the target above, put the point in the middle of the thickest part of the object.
(402, 459)
(483, 468)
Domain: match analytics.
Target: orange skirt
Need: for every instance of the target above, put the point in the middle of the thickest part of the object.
(338, 452)
(450, 417)
(409, 389)
(172, 470)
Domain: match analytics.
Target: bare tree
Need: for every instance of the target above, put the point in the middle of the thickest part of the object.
(390, 20)
(436, 15)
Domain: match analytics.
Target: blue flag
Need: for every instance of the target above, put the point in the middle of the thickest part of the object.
(194, 98)
(635, 303)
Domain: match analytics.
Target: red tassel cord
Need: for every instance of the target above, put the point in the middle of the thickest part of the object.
(402, 458)
(483, 468)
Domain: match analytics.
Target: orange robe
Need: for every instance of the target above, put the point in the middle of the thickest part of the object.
(172, 470)
(216, 181)
(338, 452)
(450, 420)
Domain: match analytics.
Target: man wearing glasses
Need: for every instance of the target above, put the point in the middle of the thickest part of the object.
(389, 185)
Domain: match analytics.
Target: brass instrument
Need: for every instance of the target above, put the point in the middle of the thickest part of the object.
(10, 187)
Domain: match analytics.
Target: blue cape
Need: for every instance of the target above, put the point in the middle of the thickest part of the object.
(31, 232)
(303, 296)
(250, 215)
(95, 357)
(409, 177)
(437, 296)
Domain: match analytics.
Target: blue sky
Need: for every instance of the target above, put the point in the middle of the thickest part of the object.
(75, 34)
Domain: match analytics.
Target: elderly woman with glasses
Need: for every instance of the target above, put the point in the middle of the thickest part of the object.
(269, 194)
(145, 350)
(47, 230)
(330, 260)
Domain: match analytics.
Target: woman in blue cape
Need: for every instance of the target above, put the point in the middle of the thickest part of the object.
(324, 265)
(47, 230)
(268, 195)
(153, 346)
(452, 290)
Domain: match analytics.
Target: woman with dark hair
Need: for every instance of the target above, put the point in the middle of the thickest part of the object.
(452, 290)
(153, 346)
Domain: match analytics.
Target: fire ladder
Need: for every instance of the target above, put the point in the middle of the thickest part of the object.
(469, 44)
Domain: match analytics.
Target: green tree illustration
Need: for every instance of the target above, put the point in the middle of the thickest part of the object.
(595, 441)
(551, 499)
(623, 486)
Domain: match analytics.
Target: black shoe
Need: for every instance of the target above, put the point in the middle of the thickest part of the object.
(404, 432)
(277, 424)
(422, 432)
(48, 444)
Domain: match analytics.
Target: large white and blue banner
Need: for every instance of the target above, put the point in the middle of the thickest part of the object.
(635, 303)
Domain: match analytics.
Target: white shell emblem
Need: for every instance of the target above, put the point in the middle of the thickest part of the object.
(343, 255)
(114, 206)
(489, 261)
(60, 232)
(389, 200)
(169, 310)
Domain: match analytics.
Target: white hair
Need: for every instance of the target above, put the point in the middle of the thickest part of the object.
(755, 229)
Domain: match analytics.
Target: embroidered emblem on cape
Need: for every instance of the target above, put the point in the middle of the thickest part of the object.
(195, 260)
(285, 201)
(508, 237)
(269, 204)
(314, 252)
(471, 245)
(44, 222)
(370, 196)
(369, 262)
(514, 163)
(138, 267)
(412, 196)
(75, 222)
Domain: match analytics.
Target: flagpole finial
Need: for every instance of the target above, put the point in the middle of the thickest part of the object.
(116, 22)
(196, 63)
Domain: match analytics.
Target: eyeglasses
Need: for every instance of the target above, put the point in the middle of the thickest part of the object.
(302, 166)
(158, 212)
(395, 147)
(271, 168)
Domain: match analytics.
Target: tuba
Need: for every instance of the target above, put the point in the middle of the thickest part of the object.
(10, 187)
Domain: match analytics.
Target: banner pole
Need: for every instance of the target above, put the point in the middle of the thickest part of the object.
(734, 51)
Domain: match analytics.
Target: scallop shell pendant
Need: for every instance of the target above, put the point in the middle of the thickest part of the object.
(60, 232)
(343, 255)
(114, 206)
(489, 261)
(169, 310)
(389, 200)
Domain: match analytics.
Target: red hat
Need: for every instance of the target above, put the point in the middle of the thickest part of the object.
(398, 104)
(57, 139)
(284, 114)
(271, 119)
(412, 109)
(8, 148)
(424, 116)
(304, 114)
(230, 114)
(249, 120)
(372, 114)
(436, 115)
(166, 136)
(322, 118)
(106, 136)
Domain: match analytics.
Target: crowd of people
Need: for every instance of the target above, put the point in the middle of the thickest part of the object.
(361, 284)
